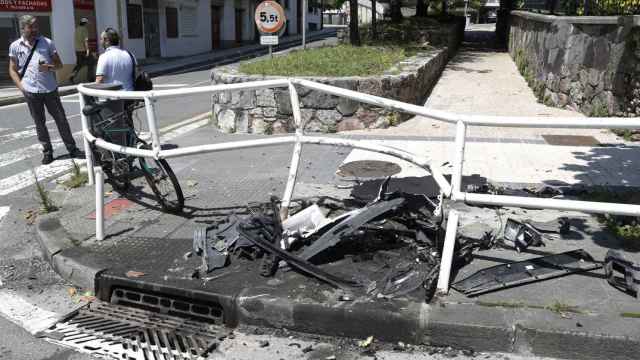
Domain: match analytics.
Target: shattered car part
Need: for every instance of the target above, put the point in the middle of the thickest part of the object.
(351, 224)
(622, 273)
(212, 258)
(405, 278)
(522, 234)
(528, 271)
(302, 224)
(254, 229)
(269, 264)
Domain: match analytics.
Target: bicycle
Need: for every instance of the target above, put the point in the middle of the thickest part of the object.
(117, 127)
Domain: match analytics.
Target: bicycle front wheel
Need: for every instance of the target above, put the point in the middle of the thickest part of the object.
(163, 183)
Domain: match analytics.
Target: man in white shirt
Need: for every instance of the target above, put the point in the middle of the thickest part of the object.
(115, 65)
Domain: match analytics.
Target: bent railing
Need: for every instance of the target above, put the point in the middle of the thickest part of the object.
(451, 190)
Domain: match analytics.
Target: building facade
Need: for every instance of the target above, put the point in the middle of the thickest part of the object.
(149, 28)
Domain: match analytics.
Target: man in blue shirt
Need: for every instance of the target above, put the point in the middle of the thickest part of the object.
(33, 60)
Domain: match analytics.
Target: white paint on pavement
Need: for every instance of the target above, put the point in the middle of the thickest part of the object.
(24, 314)
(24, 134)
(4, 210)
(183, 130)
(24, 153)
(169, 85)
(26, 178)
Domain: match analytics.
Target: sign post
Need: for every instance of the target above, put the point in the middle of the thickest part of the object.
(270, 19)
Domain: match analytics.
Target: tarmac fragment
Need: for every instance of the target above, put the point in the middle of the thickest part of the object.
(263, 343)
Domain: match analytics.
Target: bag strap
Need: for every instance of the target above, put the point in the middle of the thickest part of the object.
(24, 69)
(133, 66)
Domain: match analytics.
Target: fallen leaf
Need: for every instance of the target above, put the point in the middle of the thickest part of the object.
(134, 274)
(365, 343)
(72, 291)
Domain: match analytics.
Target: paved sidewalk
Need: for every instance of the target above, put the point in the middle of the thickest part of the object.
(10, 95)
(483, 81)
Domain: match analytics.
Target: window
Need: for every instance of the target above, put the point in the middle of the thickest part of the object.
(189, 19)
(172, 22)
(134, 21)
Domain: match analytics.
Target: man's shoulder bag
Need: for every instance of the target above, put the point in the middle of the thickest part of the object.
(142, 82)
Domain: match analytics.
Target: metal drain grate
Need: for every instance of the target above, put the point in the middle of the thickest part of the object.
(208, 312)
(126, 333)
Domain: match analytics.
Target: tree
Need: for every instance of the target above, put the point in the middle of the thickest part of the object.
(354, 33)
(396, 11)
(422, 8)
(374, 22)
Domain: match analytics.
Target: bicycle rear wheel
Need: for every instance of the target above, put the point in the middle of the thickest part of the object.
(163, 183)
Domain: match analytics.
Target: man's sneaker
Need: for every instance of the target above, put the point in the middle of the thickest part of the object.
(77, 154)
(47, 159)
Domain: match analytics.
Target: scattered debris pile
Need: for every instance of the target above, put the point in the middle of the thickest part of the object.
(399, 231)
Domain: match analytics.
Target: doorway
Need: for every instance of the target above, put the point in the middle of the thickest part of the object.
(239, 25)
(151, 21)
(216, 19)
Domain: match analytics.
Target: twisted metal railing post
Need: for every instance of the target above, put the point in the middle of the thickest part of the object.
(297, 153)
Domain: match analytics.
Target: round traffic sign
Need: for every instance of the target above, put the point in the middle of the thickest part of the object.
(269, 17)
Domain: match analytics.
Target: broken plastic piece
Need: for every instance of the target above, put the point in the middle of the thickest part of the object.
(622, 273)
(351, 224)
(522, 234)
(304, 223)
(522, 272)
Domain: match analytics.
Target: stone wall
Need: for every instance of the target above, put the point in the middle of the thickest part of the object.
(590, 64)
(269, 110)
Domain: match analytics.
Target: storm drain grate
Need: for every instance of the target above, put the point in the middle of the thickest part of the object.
(126, 333)
(207, 312)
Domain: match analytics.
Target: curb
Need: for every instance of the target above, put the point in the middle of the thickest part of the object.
(58, 248)
(461, 326)
(257, 51)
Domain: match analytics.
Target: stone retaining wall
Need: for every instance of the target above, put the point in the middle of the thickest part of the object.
(590, 64)
(269, 110)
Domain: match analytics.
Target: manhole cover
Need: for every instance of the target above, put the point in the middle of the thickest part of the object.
(570, 140)
(368, 169)
(126, 333)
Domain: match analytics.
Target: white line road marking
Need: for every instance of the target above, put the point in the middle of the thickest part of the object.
(70, 101)
(17, 155)
(24, 134)
(4, 210)
(24, 314)
(25, 178)
(43, 172)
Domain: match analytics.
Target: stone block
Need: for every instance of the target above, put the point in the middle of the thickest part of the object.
(269, 111)
(319, 100)
(258, 125)
(283, 102)
(280, 127)
(307, 115)
(243, 99)
(265, 97)
(563, 100)
(576, 93)
(224, 97)
(257, 111)
(328, 117)
(347, 107)
(370, 86)
(351, 123)
(227, 121)
(314, 126)
(564, 85)
(242, 122)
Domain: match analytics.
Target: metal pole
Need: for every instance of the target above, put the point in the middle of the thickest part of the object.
(87, 146)
(447, 253)
(153, 127)
(297, 153)
(99, 202)
(304, 24)
(456, 180)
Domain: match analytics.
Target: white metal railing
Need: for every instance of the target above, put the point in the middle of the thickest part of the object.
(451, 190)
